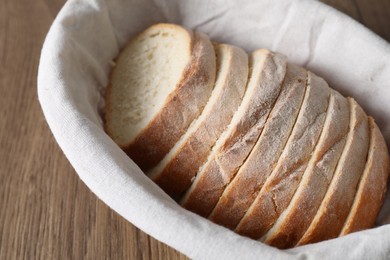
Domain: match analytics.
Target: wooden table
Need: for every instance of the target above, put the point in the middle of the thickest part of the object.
(46, 212)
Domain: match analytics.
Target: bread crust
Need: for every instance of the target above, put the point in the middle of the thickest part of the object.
(372, 187)
(295, 220)
(181, 107)
(175, 172)
(276, 193)
(237, 142)
(335, 206)
(243, 189)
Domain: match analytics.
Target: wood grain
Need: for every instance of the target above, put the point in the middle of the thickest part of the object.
(46, 212)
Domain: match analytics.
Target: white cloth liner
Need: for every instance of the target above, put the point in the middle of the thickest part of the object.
(74, 70)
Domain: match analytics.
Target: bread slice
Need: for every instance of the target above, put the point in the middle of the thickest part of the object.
(295, 220)
(175, 172)
(339, 197)
(372, 187)
(279, 188)
(267, 74)
(153, 98)
(243, 189)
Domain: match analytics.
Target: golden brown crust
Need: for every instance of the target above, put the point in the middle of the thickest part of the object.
(181, 107)
(276, 194)
(174, 176)
(372, 187)
(241, 135)
(338, 200)
(295, 220)
(242, 191)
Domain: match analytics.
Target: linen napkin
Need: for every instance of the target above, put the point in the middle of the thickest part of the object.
(74, 67)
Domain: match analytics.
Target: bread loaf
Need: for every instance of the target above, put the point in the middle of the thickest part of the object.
(262, 147)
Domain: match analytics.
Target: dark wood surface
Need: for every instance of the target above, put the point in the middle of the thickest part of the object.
(46, 212)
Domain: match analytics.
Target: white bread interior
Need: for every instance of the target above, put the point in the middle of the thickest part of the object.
(144, 75)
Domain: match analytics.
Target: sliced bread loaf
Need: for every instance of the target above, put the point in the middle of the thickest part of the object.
(267, 150)
(276, 194)
(336, 205)
(243, 189)
(372, 187)
(295, 220)
(175, 172)
(152, 97)
(267, 72)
